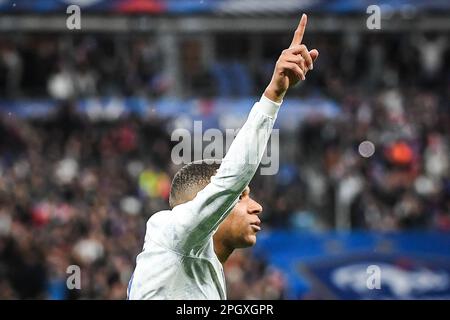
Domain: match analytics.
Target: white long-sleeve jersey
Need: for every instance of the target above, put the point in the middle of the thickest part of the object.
(178, 259)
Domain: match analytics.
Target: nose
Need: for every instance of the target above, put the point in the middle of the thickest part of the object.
(254, 207)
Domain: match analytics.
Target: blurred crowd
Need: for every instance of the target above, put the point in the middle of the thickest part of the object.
(77, 192)
(64, 67)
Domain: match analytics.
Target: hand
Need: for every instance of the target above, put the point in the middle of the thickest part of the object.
(292, 65)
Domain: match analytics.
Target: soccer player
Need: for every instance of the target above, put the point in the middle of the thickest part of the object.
(212, 211)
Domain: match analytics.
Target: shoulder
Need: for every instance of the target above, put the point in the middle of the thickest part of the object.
(158, 220)
(159, 229)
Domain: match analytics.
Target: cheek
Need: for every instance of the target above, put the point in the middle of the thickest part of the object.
(239, 219)
(243, 233)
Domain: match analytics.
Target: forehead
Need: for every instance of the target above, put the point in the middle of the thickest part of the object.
(246, 190)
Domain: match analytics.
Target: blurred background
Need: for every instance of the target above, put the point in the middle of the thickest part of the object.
(86, 118)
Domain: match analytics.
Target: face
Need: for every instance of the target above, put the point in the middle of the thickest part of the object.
(240, 227)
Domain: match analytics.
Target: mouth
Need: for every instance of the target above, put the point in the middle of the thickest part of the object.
(256, 226)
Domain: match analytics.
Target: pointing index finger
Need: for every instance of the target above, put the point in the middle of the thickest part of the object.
(298, 35)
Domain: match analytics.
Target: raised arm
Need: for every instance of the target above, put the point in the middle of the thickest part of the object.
(195, 221)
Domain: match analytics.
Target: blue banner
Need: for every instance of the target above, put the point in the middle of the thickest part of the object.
(231, 112)
(346, 266)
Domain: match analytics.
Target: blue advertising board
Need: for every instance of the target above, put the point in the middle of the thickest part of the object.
(346, 266)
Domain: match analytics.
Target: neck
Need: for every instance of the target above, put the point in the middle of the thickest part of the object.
(222, 250)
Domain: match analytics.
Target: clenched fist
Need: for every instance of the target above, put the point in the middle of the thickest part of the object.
(292, 65)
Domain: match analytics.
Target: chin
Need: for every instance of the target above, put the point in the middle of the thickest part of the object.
(249, 241)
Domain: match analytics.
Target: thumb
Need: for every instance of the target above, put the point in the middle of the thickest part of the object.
(314, 54)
